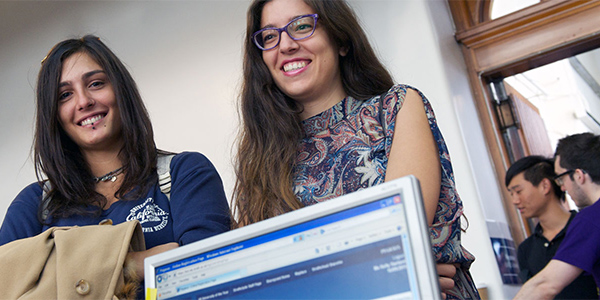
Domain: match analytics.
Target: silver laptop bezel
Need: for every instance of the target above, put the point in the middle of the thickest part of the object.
(408, 187)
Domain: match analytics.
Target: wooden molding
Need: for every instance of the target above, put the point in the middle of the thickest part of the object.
(530, 33)
(465, 13)
(493, 139)
(494, 28)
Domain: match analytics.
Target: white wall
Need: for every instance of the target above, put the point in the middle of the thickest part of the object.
(186, 59)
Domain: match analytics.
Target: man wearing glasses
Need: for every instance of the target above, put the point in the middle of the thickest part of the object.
(577, 163)
(530, 182)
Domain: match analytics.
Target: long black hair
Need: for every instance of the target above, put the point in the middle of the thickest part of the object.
(59, 160)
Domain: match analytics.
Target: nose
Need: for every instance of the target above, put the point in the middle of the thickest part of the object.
(515, 199)
(286, 43)
(84, 100)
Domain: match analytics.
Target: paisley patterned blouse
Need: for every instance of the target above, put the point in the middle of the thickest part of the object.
(346, 148)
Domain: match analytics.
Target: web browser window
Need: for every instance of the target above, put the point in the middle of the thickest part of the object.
(360, 253)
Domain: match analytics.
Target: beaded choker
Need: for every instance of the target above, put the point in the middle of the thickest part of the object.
(112, 176)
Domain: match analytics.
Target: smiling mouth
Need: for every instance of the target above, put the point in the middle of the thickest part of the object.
(92, 120)
(293, 66)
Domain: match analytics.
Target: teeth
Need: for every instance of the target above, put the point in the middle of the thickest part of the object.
(91, 120)
(294, 66)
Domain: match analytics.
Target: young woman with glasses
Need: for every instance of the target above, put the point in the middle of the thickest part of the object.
(322, 118)
(95, 155)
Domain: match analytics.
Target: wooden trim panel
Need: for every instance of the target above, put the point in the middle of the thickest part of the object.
(534, 31)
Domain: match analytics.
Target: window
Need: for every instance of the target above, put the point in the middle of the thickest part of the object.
(504, 7)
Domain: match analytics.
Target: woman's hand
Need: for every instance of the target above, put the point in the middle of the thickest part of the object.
(138, 257)
(446, 272)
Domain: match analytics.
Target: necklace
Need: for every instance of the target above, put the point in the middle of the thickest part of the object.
(112, 176)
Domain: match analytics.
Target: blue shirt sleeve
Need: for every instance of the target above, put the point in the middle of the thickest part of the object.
(21, 219)
(199, 206)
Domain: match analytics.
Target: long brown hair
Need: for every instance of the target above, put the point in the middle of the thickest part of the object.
(272, 127)
(60, 160)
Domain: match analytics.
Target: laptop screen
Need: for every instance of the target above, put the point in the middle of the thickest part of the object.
(359, 252)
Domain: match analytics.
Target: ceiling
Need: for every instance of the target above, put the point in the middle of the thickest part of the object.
(566, 93)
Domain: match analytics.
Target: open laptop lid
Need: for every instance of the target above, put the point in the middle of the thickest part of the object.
(371, 244)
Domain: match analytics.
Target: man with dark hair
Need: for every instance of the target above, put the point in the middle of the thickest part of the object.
(577, 163)
(533, 191)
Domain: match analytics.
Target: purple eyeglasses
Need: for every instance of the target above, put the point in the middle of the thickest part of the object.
(299, 28)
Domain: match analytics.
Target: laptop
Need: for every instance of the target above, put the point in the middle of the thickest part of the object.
(370, 244)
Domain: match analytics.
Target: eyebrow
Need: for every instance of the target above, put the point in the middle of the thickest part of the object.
(512, 187)
(289, 20)
(85, 76)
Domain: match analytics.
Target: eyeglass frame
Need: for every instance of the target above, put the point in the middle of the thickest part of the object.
(284, 28)
(558, 178)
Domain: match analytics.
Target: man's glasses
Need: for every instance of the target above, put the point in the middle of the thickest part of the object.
(299, 28)
(558, 178)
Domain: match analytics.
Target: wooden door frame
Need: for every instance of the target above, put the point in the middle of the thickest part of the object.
(537, 35)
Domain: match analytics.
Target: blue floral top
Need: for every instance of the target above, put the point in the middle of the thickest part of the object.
(346, 148)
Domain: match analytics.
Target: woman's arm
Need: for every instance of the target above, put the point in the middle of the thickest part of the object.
(414, 151)
(199, 207)
(21, 217)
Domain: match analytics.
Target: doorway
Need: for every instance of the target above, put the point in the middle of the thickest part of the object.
(507, 47)
(556, 100)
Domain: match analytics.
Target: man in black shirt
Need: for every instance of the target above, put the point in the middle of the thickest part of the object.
(536, 195)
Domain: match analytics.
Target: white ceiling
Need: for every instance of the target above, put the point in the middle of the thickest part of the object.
(563, 98)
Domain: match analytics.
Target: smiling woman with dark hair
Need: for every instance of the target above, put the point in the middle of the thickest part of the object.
(96, 159)
(323, 118)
